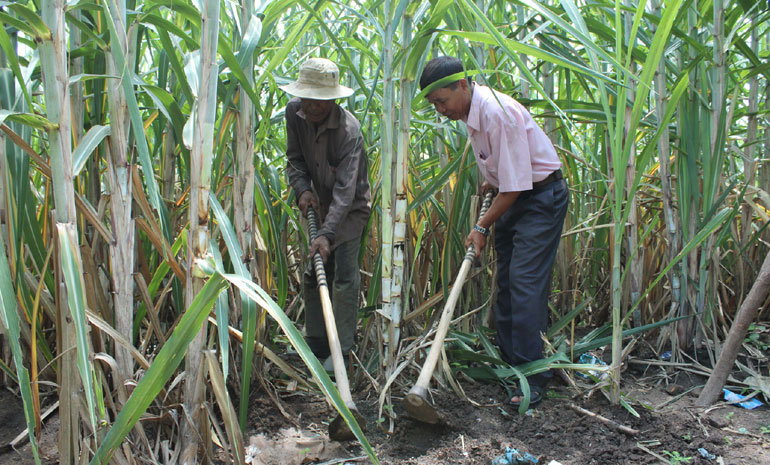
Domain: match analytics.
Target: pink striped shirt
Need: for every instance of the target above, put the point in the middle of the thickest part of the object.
(511, 150)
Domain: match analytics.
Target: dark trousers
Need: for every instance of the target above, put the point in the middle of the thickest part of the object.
(344, 280)
(526, 239)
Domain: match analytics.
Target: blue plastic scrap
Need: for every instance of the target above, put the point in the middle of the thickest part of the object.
(588, 359)
(706, 454)
(750, 404)
(514, 457)
(665, 356)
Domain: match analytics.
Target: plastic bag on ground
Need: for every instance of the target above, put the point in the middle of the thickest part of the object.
(514, 457)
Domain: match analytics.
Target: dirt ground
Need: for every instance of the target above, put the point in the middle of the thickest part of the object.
(670, 428)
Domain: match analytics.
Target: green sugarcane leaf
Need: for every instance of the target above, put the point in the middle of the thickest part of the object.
(436, 184)
(89, 77)
(10, 319)
(14, 22)
(13, 61)
(250, 40)
(185, 9)
(534, 52)
(473, 356)
(72, 271)
(271, 222)
(221, 311)
(480, 373)
(165, 27)
(236, 69)
(663, 126)
(162, 368)
(88, 30)
(34, 23)
(717, 221)
(490, 348)
(423, 38)
(167, 104)
(589, 343)
(157, 280)
(8, 371)
(566, 319)
(342, 49)
(176, 65)
(575, 27)
(662, 36)
(628, 407)
(294, 36)
(28, 119)
(249, 307)
(516, 57)
(86, 147)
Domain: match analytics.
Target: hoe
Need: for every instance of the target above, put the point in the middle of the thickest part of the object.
(338, 429)
(416, 402)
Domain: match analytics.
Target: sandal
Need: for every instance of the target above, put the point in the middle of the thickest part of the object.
(535, 396)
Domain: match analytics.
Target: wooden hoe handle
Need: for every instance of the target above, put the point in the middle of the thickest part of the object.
(446, 315)
(340, 375)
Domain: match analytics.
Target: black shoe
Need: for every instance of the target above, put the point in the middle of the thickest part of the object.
(535, 396)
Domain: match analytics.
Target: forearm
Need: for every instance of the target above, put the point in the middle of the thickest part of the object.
(500, 204)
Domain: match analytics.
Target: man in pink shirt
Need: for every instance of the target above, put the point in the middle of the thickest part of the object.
(517, 159)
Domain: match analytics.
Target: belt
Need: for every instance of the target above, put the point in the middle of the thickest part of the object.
(555, 176)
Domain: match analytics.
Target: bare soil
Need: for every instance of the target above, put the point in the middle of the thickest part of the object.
(671, 429)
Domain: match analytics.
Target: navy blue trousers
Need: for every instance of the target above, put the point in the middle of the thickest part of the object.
(526, 239)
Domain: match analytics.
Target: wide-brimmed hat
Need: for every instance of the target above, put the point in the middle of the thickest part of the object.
(319, 79)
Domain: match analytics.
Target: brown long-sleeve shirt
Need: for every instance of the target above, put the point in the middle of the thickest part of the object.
(330, 159)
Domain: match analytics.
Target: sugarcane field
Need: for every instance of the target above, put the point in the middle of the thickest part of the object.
(398, 232)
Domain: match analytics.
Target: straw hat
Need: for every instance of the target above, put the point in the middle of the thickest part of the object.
(319, 79)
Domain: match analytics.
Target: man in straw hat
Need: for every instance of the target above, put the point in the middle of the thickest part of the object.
(327, 168)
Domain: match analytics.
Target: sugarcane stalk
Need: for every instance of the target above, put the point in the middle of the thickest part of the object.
(119, 174)
(243, 206)
(618, 168)
(672, 229)
(243, 181)
(195, 432)
(386, 173)
(401, 170)
(635, 259)
(53, 62)
(397, 234)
